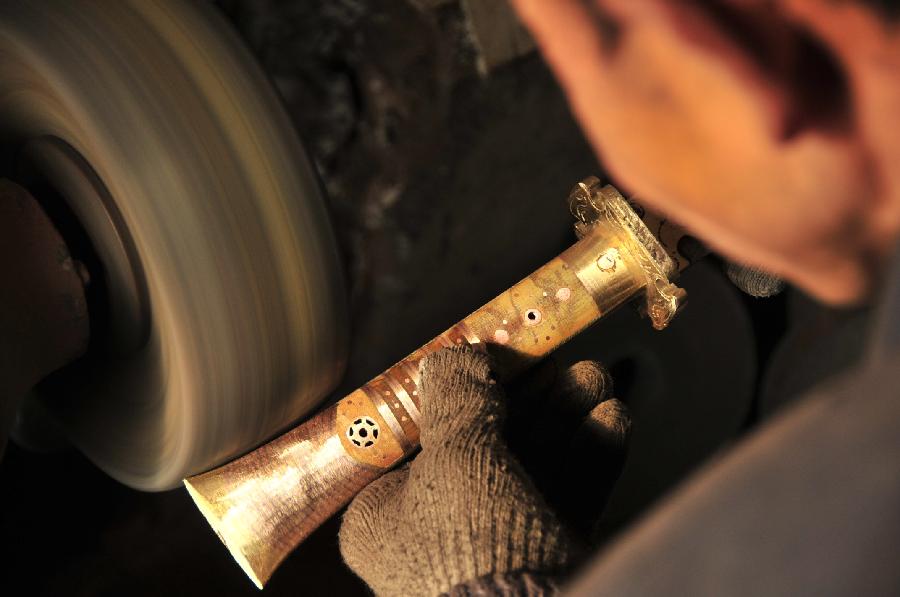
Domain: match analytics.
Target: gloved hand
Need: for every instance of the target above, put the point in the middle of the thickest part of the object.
(753, 281)
(465, 517)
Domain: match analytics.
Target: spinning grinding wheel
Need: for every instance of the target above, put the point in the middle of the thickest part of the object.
(219, 311)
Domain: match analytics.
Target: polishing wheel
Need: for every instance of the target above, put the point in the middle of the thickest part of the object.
(217, 305)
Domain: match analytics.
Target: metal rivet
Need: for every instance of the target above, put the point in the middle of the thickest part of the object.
(607, 261)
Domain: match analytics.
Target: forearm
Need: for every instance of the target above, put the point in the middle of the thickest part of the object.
(807, 505)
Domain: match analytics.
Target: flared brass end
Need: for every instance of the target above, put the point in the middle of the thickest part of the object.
(209, 513)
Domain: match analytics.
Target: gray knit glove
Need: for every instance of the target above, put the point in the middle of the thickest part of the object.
(753, 281)
(465, 517)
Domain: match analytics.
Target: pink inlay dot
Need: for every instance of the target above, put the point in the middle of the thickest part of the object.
(501, 336)
(563, 294)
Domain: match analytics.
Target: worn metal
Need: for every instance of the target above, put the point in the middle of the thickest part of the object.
(264, 504)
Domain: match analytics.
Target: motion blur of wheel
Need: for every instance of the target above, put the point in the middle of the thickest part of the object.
(223, 314)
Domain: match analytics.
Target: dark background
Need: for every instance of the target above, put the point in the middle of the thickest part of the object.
(447, 180)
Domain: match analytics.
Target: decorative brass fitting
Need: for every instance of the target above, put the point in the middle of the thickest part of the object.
(592, 205)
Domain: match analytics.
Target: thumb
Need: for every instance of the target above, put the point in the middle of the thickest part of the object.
(368, 525)
(460, 398)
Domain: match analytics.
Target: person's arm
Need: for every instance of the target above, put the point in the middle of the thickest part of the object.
(806, 506)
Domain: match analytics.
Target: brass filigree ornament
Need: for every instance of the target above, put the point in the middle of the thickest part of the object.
(591, 204)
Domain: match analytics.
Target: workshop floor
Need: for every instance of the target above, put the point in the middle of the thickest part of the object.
(446, 186)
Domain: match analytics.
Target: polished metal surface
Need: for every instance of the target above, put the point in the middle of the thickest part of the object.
(244, 304)
(591, 203)
(266, 503)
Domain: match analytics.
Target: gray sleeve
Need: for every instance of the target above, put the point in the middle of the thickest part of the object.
(808, 505)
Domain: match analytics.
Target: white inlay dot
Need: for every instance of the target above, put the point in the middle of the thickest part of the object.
(607, 261)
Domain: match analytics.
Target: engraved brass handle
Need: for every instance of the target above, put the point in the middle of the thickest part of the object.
(264, 504)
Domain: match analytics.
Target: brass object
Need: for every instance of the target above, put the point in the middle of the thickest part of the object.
(265, 503)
